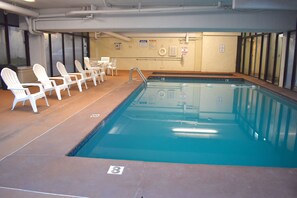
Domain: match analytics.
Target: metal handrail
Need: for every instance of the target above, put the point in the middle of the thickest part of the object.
(139, 72)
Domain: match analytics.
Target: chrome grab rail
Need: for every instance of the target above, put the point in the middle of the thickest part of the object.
(139, 72)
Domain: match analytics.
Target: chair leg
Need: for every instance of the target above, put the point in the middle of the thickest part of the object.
(68, 91)
(58, 92)
(45, 98)
(98, 79)
(15, 101)
(79, 86)
(102, 78)
(86, 84)
(33, 104)
(94, 80)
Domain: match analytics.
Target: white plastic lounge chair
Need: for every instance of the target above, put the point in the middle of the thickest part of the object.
(71, 78)
(21, 93)
(100, 71)
(49, 83)
(87, 74)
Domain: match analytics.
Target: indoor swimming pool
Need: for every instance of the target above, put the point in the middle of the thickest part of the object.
(194, 121)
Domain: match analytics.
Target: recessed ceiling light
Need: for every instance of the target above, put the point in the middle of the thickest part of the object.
(30, 0)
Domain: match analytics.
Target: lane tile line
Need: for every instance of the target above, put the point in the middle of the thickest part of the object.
(39, 192)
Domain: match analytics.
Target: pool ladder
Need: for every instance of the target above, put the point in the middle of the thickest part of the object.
(139, 72)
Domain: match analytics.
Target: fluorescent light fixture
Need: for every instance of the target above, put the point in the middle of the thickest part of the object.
(195, 135)
(195, 130)
(30, 0)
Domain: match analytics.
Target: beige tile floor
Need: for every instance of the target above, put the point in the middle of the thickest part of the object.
(33, 161)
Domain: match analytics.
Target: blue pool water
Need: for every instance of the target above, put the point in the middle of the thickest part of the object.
(220, 122)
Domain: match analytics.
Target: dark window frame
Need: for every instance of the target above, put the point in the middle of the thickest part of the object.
(294, 61)
(63, 48)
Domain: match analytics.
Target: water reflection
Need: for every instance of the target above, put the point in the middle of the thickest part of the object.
(233, 110)
(200, 123)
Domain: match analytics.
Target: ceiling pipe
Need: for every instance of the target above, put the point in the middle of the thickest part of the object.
(31, 26)
(119, 36)
(187, 38)
(146, 10)
(18, 10)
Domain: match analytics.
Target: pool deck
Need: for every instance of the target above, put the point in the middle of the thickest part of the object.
(33, 161)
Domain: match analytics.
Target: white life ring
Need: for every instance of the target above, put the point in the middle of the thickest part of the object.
(162, 51)
(161, 94)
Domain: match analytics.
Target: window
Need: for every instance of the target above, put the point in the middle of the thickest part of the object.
(271, 57)
(78, 49)
(47, 48)
(68, 52)
(258, 44)
(3, 55)
(264, 57)
(290, 60)
(57, 51)
(65, 48)
(17, 47)
(85, 47)
(247, 56)
(13, 42)
(278, 58)
(242, 56)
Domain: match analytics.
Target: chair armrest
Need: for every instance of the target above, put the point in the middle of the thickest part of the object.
(95, 68)
(88, 71)
(16, 89)
(58, 78)
(73, 75)
(78, 74)
(33, 84)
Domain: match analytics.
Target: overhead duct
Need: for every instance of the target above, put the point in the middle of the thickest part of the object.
(18, 10)
(147, 10)
(265, 4)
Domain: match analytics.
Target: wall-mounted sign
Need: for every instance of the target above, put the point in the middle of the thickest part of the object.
(152, 44)
(117, 46)
(222, 48)
(184, 50)
(143, 43)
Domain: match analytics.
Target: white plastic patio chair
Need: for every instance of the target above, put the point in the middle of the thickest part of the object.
(99, 70)
(20, 92)
(112, 66)
(105, 63)
(71, 78)
(49, 83)
(88, 74)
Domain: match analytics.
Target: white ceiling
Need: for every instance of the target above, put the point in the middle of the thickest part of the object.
(157, 15)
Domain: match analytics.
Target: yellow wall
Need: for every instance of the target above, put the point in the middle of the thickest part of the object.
(132, 54)
(219, 52)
